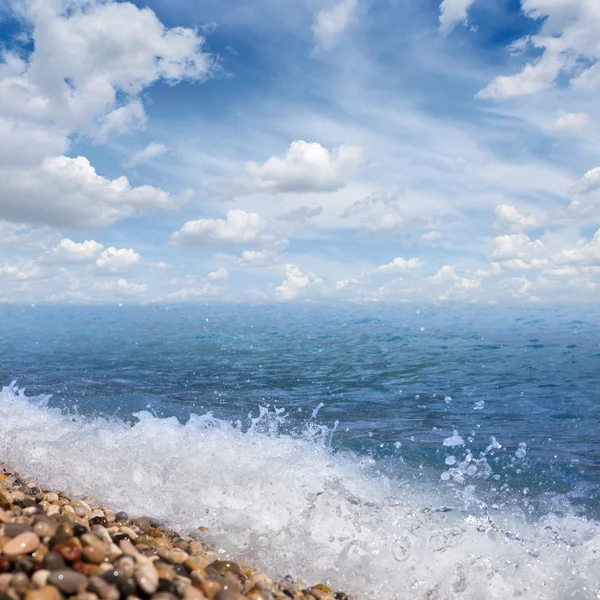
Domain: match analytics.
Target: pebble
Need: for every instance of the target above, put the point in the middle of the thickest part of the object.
(147, 578)
(40, 578)
(67, 580)
(12, 530)
(52, 547)
(24, 543)
(47, 592)
(224, 566)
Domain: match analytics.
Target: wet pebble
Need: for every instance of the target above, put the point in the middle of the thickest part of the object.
(47, 592)
(24, 543)
(67, 581)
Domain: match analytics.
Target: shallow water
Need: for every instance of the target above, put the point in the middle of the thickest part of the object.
(392, 451)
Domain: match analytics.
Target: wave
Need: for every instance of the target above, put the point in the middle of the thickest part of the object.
(287, 503)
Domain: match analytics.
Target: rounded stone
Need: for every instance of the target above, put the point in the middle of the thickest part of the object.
(24, 543)
(44, 528)
(40, 578)
(122, 516)
(105, 590)
(46, 592)
(70, 550)
(94, 554)
(225, 566)
(12, 530)
(147, 578)
(53, 561)
(67, 580)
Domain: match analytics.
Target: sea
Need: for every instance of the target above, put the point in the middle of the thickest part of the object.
(389, 451)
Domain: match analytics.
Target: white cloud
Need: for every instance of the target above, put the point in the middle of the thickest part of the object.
(123, 119)
(239, 227)
(88, 55)
(568, 42)
(121, 286)
(429, 238)
(330, 24)
(89, 64)
(113, 261)
(207, 290)
(151, 151)
(589, 183)
(298, 284)
(67, 251)
(509, 219)
(495, 269)
(453, 12)
(572, 123)
(221, 273)
(446, 273)
(400, 266)
(23, 271)
(388, 222)
(305, 167)
(68, 192)
(515, 246)
(258, 259)
(585, 254)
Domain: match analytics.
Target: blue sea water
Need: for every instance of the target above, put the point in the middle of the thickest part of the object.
(398, 451)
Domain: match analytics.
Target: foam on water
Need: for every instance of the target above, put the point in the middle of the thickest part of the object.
(288, 504)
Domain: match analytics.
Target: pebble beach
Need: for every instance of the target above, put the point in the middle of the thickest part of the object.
(53, 547)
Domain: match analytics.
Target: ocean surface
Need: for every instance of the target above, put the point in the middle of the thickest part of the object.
(392, 451)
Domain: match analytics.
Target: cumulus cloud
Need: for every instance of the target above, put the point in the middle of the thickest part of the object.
(453, 12)
(572, 123)
(517, 245)
(584, 254)
(67, 251)
(509, 219)
(67, 192)
(92, 58)
(259, 259)
(298, 284)
(121, 286)
(446, 273)
(22, 271)
(400, 266)
(568, 43)
(113, 261)
(305, 167)
(239, 227)
(221, 273)
(150, 152)
(330, 24)
(89, 64)
(590, 183)
(301, 214)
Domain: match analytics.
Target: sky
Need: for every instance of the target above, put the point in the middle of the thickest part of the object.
(193, 151)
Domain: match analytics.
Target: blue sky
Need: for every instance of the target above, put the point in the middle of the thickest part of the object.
(321, 150)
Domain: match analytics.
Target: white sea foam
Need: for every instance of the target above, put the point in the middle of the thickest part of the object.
(291, 506)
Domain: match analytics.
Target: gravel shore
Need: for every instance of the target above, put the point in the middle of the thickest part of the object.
(52, 547)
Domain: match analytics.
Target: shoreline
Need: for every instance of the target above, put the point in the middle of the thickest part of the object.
(53, 546)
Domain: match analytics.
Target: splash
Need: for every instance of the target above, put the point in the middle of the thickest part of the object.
(287, 503)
